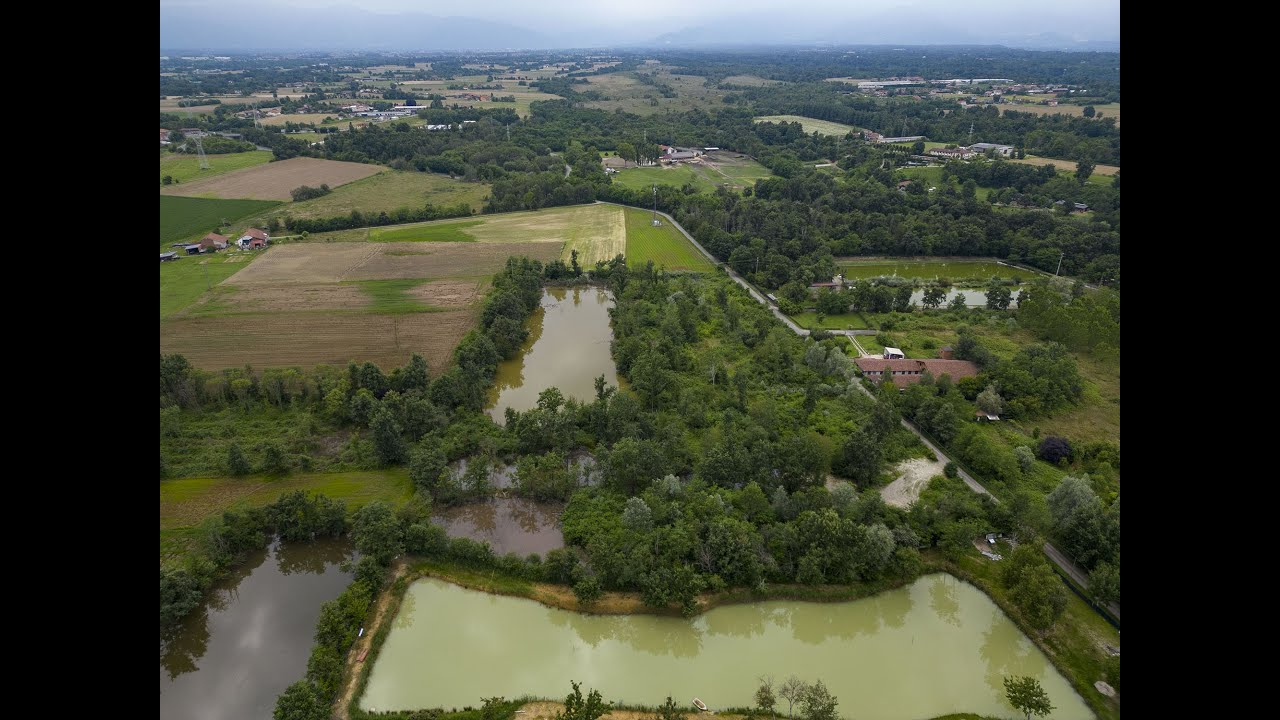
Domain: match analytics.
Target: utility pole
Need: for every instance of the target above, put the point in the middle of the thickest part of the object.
(655, 204)
(1064, 254)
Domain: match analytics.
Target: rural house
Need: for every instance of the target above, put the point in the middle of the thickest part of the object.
(214, 241)
(254, 238)
(953, 153)
(164, 136)
(907, 372)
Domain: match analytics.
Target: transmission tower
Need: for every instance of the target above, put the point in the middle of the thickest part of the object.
(971, 134)
(204, 159)
(656, 221)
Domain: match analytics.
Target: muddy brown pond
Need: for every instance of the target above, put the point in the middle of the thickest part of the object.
(567, 348)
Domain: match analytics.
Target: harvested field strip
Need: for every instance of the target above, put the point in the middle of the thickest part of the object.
(185, 502)
(273, 181)
(664, 245)
(188, 218)
(307, 339)
(452, 232)
(602, 236)
(185, 168)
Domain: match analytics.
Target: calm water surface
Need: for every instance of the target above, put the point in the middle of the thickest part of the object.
(935, 647)
(232, 658)
(567, 348)
(508, 524)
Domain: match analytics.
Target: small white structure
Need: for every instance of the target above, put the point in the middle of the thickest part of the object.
(892, 353)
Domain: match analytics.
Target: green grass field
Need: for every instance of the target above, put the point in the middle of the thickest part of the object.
(822, 127)
(183, 218)
(664, 245)
(183, 281)
(390, 297)
(185, 168)
(186, 502)
(847, 321)
(645, 177)
(449, 232)
(928, 269)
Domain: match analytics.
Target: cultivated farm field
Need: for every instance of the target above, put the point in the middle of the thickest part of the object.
(929, 269)
(184, 218)
(183, 167)
(385, 192)
(273, 181)
(822, 127)
(597, 232)
(306, 304)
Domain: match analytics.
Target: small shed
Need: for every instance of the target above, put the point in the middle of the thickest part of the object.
(946, 352)
(193, 249)
(983, 415)
(893, 353)
(165, 257)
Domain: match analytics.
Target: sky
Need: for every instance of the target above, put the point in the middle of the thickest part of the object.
(610, 21)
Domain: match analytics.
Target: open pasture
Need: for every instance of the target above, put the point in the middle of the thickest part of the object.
(184, 168)
(822, 127)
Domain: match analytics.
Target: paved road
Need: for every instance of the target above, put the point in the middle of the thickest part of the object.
(1058, 558)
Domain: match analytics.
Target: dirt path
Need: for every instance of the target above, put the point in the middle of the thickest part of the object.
(915, 475)
(363, 643)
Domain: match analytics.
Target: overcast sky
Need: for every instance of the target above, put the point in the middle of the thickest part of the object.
(549, 15)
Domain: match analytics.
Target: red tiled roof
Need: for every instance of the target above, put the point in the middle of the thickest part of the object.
(213, 238)
(255, 233)
(957, 369)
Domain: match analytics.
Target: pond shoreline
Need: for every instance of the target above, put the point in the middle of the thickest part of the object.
(630, 603)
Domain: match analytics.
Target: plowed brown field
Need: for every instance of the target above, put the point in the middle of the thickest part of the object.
(274, 180)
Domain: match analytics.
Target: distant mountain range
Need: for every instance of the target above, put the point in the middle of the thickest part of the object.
(231, 28)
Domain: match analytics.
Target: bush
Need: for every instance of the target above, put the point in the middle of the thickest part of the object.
(1054, 449)
(306, 192)
(951, 470)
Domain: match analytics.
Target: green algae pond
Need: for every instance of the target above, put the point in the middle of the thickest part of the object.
(937, 646)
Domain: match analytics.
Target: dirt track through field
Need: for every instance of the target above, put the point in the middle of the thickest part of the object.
(274, 180)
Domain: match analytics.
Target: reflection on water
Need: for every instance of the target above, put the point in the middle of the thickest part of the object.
(231, 658)
(508, 524)
(892, 656)
(567, 348)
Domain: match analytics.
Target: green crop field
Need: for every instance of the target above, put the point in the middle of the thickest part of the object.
(447, 232)
(822, 127)
(664, 245)
(184, 280)
(182, 218)
(928, 269)
(184, 168)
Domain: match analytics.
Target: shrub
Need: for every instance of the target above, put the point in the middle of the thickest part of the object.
(951, 470)
(1054, 448)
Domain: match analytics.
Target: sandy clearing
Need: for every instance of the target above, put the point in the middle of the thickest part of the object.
(915, 475)
(274, 180)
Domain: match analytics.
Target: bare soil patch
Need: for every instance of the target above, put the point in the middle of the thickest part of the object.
(443, 260)
(262, 298)
(449, 293)
(914, 476)
(274, 180)
(307, 339)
